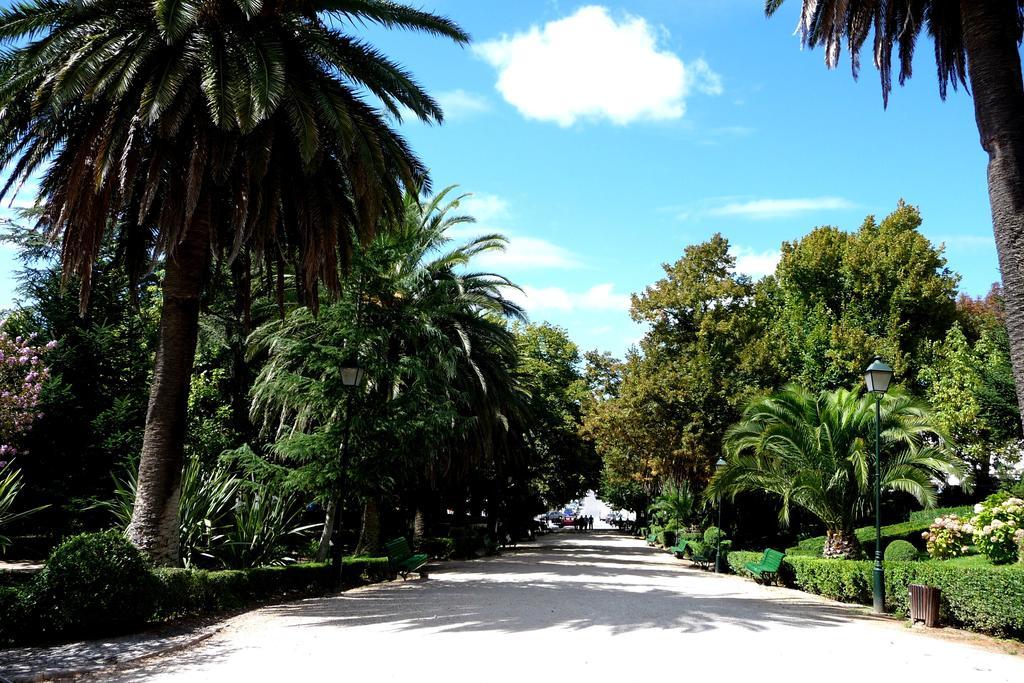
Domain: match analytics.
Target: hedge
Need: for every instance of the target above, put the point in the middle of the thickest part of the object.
(929, 516)
(903, 531)
(440, 547)
(986, 599)
(193, 592)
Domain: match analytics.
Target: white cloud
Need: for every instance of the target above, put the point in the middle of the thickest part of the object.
(602, 297)
(526, 252)
(756, 264)
(459, 104)
(522, 251)
(484, 207)
(759, 209)
(590, 66)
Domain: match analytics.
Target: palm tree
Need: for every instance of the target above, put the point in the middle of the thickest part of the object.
(432, 338)
(203, 127)
(674, 503)
(975, 40)
(816, 451)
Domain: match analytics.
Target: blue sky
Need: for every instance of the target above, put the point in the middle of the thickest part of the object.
(603, 139)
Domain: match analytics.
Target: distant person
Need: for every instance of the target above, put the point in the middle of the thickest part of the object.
(590, 522)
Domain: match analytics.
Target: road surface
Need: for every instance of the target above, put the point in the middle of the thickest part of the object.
(576, 607)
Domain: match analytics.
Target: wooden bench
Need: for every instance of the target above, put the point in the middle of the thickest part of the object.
(768, 568)
(403, 560)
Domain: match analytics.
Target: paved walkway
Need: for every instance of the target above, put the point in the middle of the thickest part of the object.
(590, 607)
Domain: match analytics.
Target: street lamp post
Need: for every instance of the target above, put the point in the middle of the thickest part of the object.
(718, 538)
(352, 376)
(877, 377)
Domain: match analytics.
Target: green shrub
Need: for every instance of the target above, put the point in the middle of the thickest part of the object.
(92, 583)
(901, 551)
(367, 569)
(814, 546)
(667, 538)
(988, 599)
(688, 536)
(929, 516)
(907, 531)
(469, 542)
(441, 547)
(995, 524)
(187, 592)
(12, 613)
(712, 535)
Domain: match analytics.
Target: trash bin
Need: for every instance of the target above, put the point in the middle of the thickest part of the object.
(924, 604)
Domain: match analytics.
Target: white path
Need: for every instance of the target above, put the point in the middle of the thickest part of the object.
(576, 607)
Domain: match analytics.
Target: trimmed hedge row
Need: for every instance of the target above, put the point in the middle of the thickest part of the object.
(903, 531)
(929, 516)
(191, 592)
(986, 599)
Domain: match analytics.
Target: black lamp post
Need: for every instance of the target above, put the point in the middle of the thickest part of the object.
(877, 378)
(718, 538)
(352, 376)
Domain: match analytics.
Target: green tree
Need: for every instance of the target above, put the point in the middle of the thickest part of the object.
(976, 41)
(193, 127)
(845, 297)
(437, 354)
(696, 366)
(815, 451)
(565, 465)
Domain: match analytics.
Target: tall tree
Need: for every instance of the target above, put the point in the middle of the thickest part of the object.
(198, 127)
(847, 296)
(976, 41)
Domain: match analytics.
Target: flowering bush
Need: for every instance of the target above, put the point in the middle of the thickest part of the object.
(1019, 537)
(949, 536)
(22, 375)
(995, 526)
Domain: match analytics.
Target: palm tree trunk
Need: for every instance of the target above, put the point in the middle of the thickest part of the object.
(369, 532)
(841, 544)
(154, 525)
(419, 525)
(323, 552)
(994, 69)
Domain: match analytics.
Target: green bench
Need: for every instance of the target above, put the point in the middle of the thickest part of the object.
(768, 568)
(403, 560)
(679, 549)
(652, 539)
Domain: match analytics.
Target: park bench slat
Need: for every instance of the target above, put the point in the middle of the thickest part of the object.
(403, 559)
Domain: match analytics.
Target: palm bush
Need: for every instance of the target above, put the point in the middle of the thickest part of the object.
(262, 523)
(10, 485)
(816, 451)
(205, 508)
(675, 504)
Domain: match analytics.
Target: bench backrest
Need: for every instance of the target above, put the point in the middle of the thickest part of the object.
(398, 549)
(772, 559)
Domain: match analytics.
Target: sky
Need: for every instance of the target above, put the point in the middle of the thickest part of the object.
(602, 139)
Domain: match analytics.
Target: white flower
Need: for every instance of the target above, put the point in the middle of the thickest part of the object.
(979, 507)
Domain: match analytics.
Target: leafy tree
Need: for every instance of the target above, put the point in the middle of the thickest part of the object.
(432, 340)
(845, 297)
(565, 465)
(696, 367)
(816, 450)
(192, 127)
(978, 41)
(94, 404)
